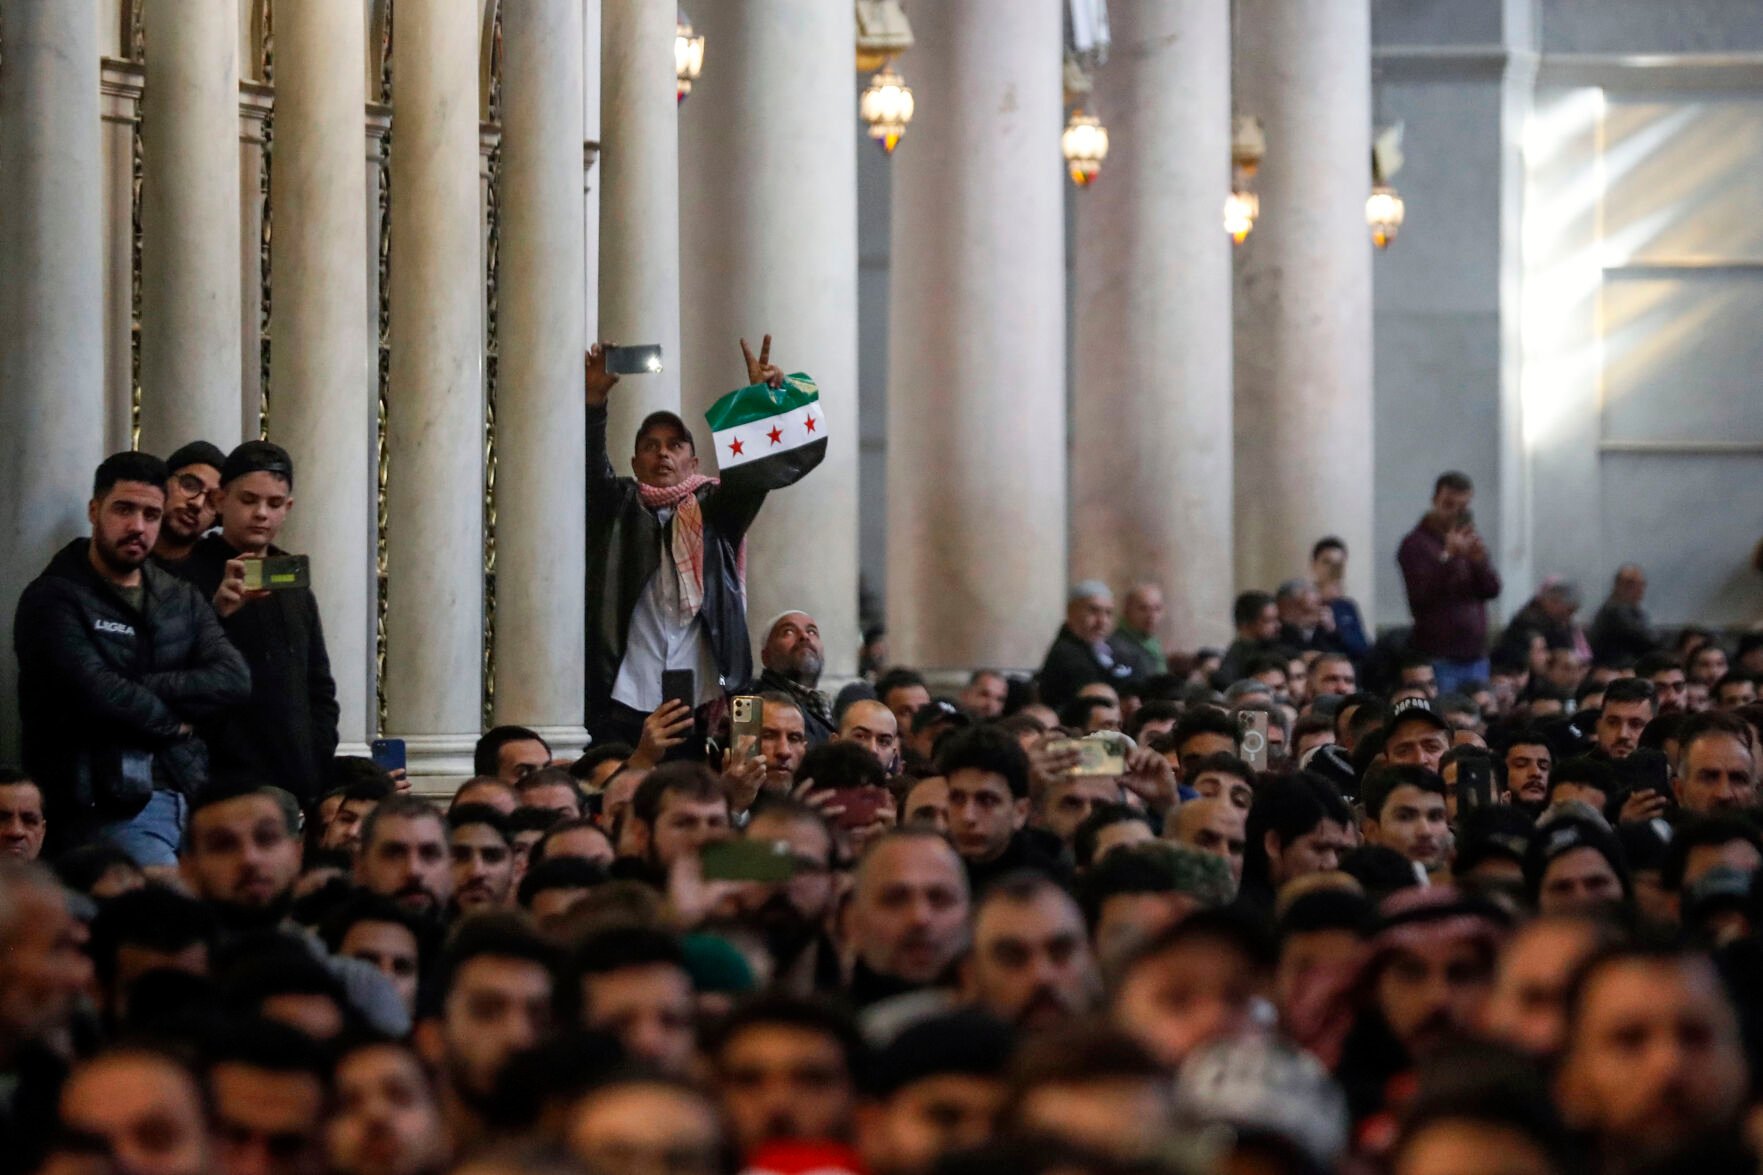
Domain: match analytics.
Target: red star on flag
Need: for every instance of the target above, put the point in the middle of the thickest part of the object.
(810, 424)
(735, 447)
(776, 435)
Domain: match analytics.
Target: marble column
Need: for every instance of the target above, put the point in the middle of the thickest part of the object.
(121, 89)
(256, 102)
(190, 290)
(435, 409)
(1303, 293)
(976, 360)
(774, 249)
(1151, 439)
(319, 352)
(639, 207)
(51, 298)
(591, 74)
(540, 418)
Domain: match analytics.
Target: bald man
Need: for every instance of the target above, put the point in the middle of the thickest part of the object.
(1214, 826)
(874, 727)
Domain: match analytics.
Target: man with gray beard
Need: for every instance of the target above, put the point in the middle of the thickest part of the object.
(793, 658)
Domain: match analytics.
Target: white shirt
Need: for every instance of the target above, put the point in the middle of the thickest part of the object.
(659, 642)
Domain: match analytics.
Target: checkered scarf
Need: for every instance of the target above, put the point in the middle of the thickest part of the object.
(688, 541)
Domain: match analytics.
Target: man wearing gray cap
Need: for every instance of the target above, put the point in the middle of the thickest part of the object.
(1080, 654)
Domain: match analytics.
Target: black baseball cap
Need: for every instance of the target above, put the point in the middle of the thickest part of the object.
(672, 419)
(1411, 710)
(258, 457)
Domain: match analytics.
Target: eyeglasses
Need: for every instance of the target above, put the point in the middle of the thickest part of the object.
(191, 484)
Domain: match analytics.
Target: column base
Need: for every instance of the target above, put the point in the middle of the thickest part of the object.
(436, 760)
(566, 742)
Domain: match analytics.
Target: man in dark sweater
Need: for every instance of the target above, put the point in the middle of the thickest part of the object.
(1449, 578)
(1081, 654)
(286, 735)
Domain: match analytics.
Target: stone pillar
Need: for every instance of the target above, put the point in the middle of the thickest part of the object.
(1303, 304)
(775, 249)
(540, 420)
(190, 227)
(319, 354)
(976, 362)
(51, 299)
(591, 74)
(435, 410)
(639, 206)
(121, 87)
(255, 104)
(1151, 451)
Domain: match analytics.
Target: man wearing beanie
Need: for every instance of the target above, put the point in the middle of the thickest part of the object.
(285, 736)
(189, 501)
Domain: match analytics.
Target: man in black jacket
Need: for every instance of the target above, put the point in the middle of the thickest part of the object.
(119, 661)
(1081, 654)
(664, 565)
(286, 735)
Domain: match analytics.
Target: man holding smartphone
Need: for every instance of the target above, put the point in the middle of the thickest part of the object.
(286, 734)
(666, 565)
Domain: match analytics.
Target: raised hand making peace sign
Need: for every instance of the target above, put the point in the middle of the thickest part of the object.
(760, 370)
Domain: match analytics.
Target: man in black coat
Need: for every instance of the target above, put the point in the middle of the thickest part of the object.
(664, 576)
(287, 734)
(119, 663)
(1081, 654)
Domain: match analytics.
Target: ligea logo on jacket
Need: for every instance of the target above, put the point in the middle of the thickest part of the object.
(113, 626)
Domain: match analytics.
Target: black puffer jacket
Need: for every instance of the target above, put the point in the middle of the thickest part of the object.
(287, 733)
(624, 550)
(102, 683)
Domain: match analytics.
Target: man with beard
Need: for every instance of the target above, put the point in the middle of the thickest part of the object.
(386, 1120)
(189, 501)
(1629, 704)
(404, 855)
(493, 996)
(633, 984)
(241, 855)
(1080, 653)
(1654, 1060)
(483, 859)
(1425, 976)
(117, 662)
(787, 1068)
(792, 658)
(1031, 964)
(677, 810)
(1574, 866)
(907, 920)
(794, 916)
(1527, 761)
(873, 727)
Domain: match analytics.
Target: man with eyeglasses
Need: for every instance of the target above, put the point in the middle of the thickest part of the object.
(189, 501)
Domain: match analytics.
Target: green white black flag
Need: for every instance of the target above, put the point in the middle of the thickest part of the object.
(769, 437)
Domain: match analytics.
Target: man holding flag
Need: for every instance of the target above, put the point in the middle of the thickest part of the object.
(666, 582)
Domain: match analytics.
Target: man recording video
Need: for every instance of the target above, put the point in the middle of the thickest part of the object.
(666, 565)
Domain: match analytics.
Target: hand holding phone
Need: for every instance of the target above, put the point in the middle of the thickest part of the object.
(643, 359)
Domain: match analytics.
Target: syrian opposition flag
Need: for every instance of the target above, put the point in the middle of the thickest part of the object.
(766, 437)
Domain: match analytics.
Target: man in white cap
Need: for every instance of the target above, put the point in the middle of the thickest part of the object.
(792, 657)
(1080, 654)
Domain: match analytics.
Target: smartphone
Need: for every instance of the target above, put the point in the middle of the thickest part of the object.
(747, 860)
(1252, 738)
(1475, 785)
(1096, 756)
(679, 685)
(639, 360)
(1645, 770)
(860, 805)
(388, 753)
(746, 723)
(277, 573)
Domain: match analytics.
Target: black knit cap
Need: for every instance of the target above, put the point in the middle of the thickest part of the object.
(196, 453)
(258, 457)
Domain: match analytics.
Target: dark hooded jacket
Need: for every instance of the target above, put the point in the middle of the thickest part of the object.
(105, 688)
(624, 550)
(287, 733)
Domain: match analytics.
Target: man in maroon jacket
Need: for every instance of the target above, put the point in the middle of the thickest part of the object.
(1449, 580)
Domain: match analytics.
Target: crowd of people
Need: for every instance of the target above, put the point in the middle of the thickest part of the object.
(1427, 901)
